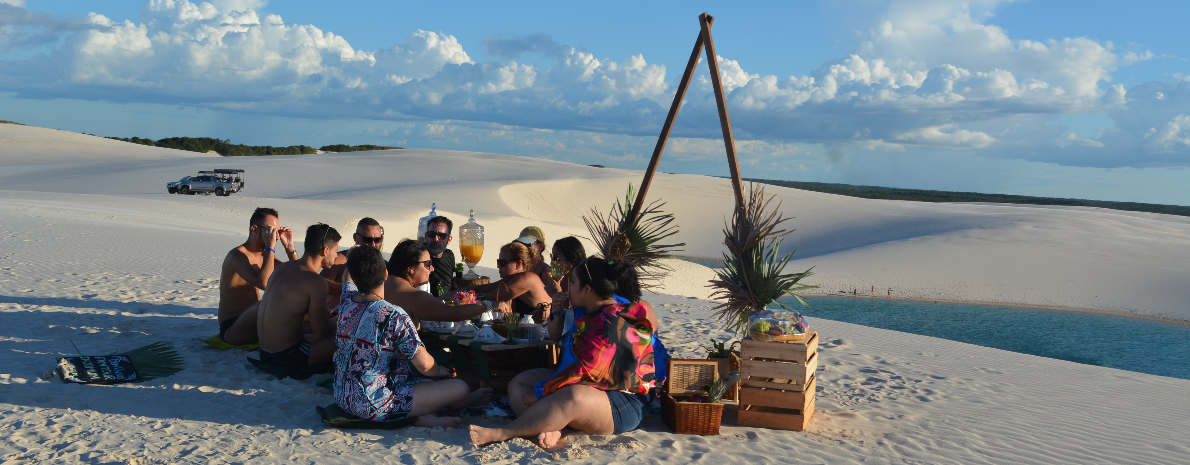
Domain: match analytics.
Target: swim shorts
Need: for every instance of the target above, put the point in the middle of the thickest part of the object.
(297, 355)
(627, 410)
(226, 325)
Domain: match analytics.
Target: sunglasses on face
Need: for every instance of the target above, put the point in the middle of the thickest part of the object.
(371, 240)
(427, 264)
(501, 263)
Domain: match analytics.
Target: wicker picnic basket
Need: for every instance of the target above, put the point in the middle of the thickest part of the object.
(688, 377)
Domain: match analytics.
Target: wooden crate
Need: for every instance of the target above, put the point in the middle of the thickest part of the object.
(686, 377)
(777, 388)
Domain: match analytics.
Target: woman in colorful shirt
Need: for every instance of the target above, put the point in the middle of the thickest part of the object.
(602, 389)
(377, 344)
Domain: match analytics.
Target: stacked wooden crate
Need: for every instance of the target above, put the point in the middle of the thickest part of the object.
(777, 384)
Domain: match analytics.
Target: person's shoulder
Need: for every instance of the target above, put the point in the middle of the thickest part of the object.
(529, 278)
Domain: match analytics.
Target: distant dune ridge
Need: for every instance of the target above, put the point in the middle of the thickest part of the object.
(94, 252)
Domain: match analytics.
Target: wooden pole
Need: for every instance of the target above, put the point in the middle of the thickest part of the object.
(669, 121)
(724, 120)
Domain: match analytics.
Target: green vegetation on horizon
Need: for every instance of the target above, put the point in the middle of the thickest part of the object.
(4, 121)
(919, 195)
(225, 148)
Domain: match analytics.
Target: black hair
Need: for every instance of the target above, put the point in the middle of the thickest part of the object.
(444, 220)
(365, 222)
(571, 249)
(329, 238)
(259, 215)
(406, 254)
(366, 265)
(607, 279)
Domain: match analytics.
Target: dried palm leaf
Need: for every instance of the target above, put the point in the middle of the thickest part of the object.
(636, 241)
(753, 276)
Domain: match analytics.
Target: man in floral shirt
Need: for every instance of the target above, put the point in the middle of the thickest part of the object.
(377, 344)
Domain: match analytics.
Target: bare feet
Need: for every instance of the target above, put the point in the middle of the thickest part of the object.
(433, 421)
(480, 397)
(481, 435)
(550, 440)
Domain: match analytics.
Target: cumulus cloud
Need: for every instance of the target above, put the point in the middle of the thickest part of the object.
(926, 74)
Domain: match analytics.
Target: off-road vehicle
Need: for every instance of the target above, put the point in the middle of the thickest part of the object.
(221, 182)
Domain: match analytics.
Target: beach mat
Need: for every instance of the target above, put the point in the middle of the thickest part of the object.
(336, 417)
(218, 343)
(293, 372)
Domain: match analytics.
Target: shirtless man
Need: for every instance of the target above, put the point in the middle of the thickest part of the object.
(245, 270)
(408, 268)
(296, 292)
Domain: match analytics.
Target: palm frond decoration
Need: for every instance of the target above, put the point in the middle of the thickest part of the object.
(156, 360)
(637, 241)
(753, 276)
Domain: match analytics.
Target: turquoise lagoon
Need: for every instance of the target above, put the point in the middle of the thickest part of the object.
(1133, 344)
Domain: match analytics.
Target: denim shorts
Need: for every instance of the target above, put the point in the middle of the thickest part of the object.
(627, 410)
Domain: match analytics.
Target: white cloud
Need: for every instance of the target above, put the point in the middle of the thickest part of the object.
(926, 74)
(1075, 139)
(955, 138)
(16, 3)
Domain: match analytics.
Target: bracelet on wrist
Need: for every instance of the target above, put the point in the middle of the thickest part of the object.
(270, 249)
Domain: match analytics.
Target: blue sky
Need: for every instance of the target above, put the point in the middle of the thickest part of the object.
(1056, 98)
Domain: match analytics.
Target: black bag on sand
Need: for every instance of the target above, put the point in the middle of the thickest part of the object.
(298, 373)
(338, 418)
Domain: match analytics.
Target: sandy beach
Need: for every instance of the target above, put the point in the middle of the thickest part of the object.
(95, 254)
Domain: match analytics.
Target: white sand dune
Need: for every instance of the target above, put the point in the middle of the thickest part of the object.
(94, 253)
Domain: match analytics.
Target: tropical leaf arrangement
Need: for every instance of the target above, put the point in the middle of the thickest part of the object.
(753, 276)
(637, 241)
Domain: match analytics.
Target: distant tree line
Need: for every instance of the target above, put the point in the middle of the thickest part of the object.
(918, 195)
(225, 148)
(354, 148)
(4, 121)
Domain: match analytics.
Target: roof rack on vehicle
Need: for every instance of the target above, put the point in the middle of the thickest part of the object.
(227, 171)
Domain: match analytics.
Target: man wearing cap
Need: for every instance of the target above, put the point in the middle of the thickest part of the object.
(437, 239)
(534, 237)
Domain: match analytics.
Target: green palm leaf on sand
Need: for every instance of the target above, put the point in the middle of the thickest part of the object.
(156, 360)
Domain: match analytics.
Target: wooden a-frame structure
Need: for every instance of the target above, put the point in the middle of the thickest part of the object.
(704, 40)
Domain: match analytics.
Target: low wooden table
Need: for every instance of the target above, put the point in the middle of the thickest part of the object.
(458, 345)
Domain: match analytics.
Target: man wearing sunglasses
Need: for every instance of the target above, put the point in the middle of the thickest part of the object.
(437, 240)
(367, 232)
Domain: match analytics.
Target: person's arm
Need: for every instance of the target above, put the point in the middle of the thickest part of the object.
(425, 363)
(482, 289)
(512, 287)
(425, 306)
(320, 319)
(333, 288)
(251, 274)
(286, 236)
(557, 320)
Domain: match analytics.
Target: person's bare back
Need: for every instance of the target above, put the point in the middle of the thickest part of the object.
(296, 291)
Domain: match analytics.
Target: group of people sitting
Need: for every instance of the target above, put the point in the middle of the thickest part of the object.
(362, 313)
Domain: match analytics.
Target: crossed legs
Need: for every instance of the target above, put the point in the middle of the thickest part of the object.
(578, 406)
(429, 396)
